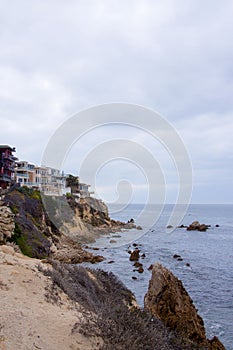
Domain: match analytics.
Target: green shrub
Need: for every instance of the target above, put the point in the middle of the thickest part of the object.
(14, 209)
(21, 240)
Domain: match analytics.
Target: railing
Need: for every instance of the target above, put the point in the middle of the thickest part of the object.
(5, 177)
(22, 175)
(25, 168)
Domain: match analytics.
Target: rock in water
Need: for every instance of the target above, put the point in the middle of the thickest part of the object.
(197, 226)
(134, 255)
(168, 300)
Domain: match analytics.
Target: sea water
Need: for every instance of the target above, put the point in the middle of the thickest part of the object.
(208, 275)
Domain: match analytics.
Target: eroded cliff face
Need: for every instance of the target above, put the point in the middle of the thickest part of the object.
(36, 235)
(82, 219)
(167, 299)
(7, 224)
(57, 227)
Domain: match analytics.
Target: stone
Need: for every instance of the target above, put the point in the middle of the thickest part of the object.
(7, 224)
(202, 228)
(131, 221)
(111, 262)
(137, 264)
(140, 269)
(134, 256)
(215, 344)
(176, 256)
(193, 226)
(169, 226)
(168, 300)
(197, 226)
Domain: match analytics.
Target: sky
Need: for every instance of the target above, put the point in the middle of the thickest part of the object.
(58, 58)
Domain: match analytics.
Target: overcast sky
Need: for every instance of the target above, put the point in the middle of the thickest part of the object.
(173, 56)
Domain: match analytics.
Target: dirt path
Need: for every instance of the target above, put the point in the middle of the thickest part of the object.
(28, 320)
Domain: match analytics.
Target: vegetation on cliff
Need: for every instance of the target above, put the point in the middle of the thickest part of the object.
(36, 234)
(111, 310)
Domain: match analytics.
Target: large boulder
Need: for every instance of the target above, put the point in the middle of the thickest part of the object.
(7, 224)
(196, 226)
(168, 300)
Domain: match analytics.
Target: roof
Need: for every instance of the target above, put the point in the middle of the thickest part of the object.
(8, 147)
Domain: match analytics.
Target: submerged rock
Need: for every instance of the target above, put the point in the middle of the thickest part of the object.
(131, 221)
(176, 256)
(167, 299)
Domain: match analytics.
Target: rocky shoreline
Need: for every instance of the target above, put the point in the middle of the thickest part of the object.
(79, 308)
(49, 305)
(34, 232)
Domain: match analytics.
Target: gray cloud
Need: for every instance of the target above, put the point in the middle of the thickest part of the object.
(59, 57)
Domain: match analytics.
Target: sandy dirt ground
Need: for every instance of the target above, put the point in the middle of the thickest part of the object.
(28, 320)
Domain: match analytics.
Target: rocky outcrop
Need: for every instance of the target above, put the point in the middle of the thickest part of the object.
(7, 224)
(196, 226)
(93, 213)
(134, 255)
(167, 299)
(37, 236)
(71, 252)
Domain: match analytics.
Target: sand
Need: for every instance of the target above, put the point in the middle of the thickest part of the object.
(28, 320)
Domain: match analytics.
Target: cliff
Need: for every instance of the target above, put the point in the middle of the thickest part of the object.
(78, 222)
(7, 224)
(168, 300)
(35, 234)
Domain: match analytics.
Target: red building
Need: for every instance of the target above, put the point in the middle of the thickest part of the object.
(7, 165)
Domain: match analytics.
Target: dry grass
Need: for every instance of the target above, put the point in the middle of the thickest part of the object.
(121, 325)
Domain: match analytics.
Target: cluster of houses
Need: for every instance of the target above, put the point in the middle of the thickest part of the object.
(48, 180)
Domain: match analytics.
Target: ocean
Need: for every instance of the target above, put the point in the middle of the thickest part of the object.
(208, 279)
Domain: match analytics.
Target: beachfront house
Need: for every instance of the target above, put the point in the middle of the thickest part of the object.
(52, 182)
(7, 166)
(25, 174)
(84, 190)
(48, 180)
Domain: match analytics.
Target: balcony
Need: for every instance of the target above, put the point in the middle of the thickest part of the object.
(22, 175)
(10, 157)
(5, 177)
(24, 168)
